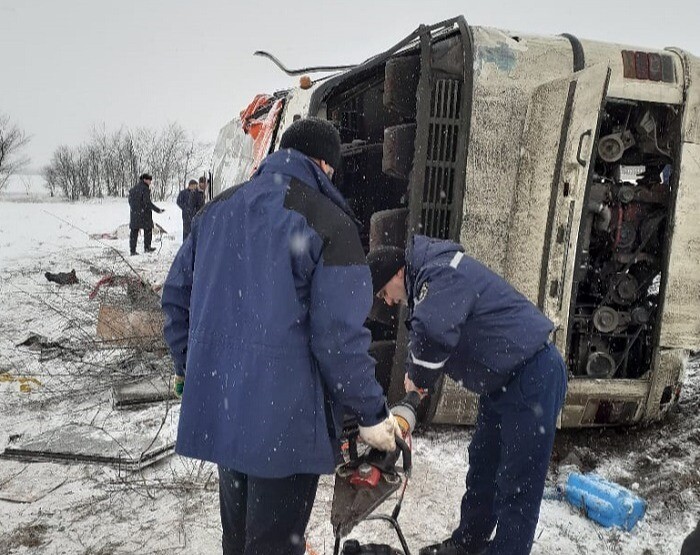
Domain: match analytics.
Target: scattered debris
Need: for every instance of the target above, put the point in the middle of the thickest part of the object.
(88, 444)
(49, 350)
(581, 457)
(96, 509)
(133, 284)
(122, 232)
(132, 319)
(142, 295)
(106, 235)
(62, 278)
(149, 390)
(573, 460)
(37, 342)
(130, 327)
(25, 536)
(25, 384)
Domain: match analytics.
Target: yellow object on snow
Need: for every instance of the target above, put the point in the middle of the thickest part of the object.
(25, 384)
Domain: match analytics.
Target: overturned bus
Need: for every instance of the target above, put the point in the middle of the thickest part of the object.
(570, 167)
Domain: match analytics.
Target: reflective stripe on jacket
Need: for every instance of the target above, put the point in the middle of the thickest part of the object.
(465, 320)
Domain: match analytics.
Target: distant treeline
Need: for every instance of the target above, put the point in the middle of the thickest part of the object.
(111, 161)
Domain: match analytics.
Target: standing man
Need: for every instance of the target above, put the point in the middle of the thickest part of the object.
(183, 201)
(141, 216)
(197, 199)
(472, 325)
(265, 305)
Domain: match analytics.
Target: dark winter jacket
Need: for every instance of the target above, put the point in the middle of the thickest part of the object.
(141, 207)
(265, 305)
(691, 545)
(183, 202)
(466, 320)
(196, 201)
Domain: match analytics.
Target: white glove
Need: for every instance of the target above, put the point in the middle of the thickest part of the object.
(382, 436)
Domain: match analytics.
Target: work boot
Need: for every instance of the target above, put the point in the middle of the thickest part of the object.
(447, 547)
(134, 253)
(149, 249)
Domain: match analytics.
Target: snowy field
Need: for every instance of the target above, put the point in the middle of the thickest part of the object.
(172, 506)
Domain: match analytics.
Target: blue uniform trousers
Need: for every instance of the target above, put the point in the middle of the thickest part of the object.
(509, 456)
(265, 516)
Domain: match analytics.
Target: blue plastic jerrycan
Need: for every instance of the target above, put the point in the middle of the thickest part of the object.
(604, 502)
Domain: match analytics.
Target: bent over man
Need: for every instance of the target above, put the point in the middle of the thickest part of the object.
(472, 325)
(265, 305)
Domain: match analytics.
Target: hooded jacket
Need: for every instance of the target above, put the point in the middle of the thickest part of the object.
(465, 320)
(265, 306)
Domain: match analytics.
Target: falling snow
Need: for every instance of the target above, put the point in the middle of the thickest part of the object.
(172, 507)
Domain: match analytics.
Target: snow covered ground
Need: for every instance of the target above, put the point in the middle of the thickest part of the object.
(26, 188)
(172, 506)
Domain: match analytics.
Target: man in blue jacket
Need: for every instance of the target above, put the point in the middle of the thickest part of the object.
(472, 325)
(265, 305)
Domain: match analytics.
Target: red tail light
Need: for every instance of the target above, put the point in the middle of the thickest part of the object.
(648, 66)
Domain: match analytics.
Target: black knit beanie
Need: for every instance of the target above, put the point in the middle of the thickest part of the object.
(315, 137)
(384, 263)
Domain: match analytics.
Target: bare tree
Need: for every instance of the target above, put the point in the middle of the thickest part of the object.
(109, 164)
(12, 141)
(117, 157)
(27, 183)
(64, 172)
(164, 152)
(194, 160)
(50, 180)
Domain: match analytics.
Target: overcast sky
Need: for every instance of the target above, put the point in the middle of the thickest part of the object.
(69, 64)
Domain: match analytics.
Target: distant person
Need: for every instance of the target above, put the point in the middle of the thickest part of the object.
(197, 199)
(183, 201)
(141, 216)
